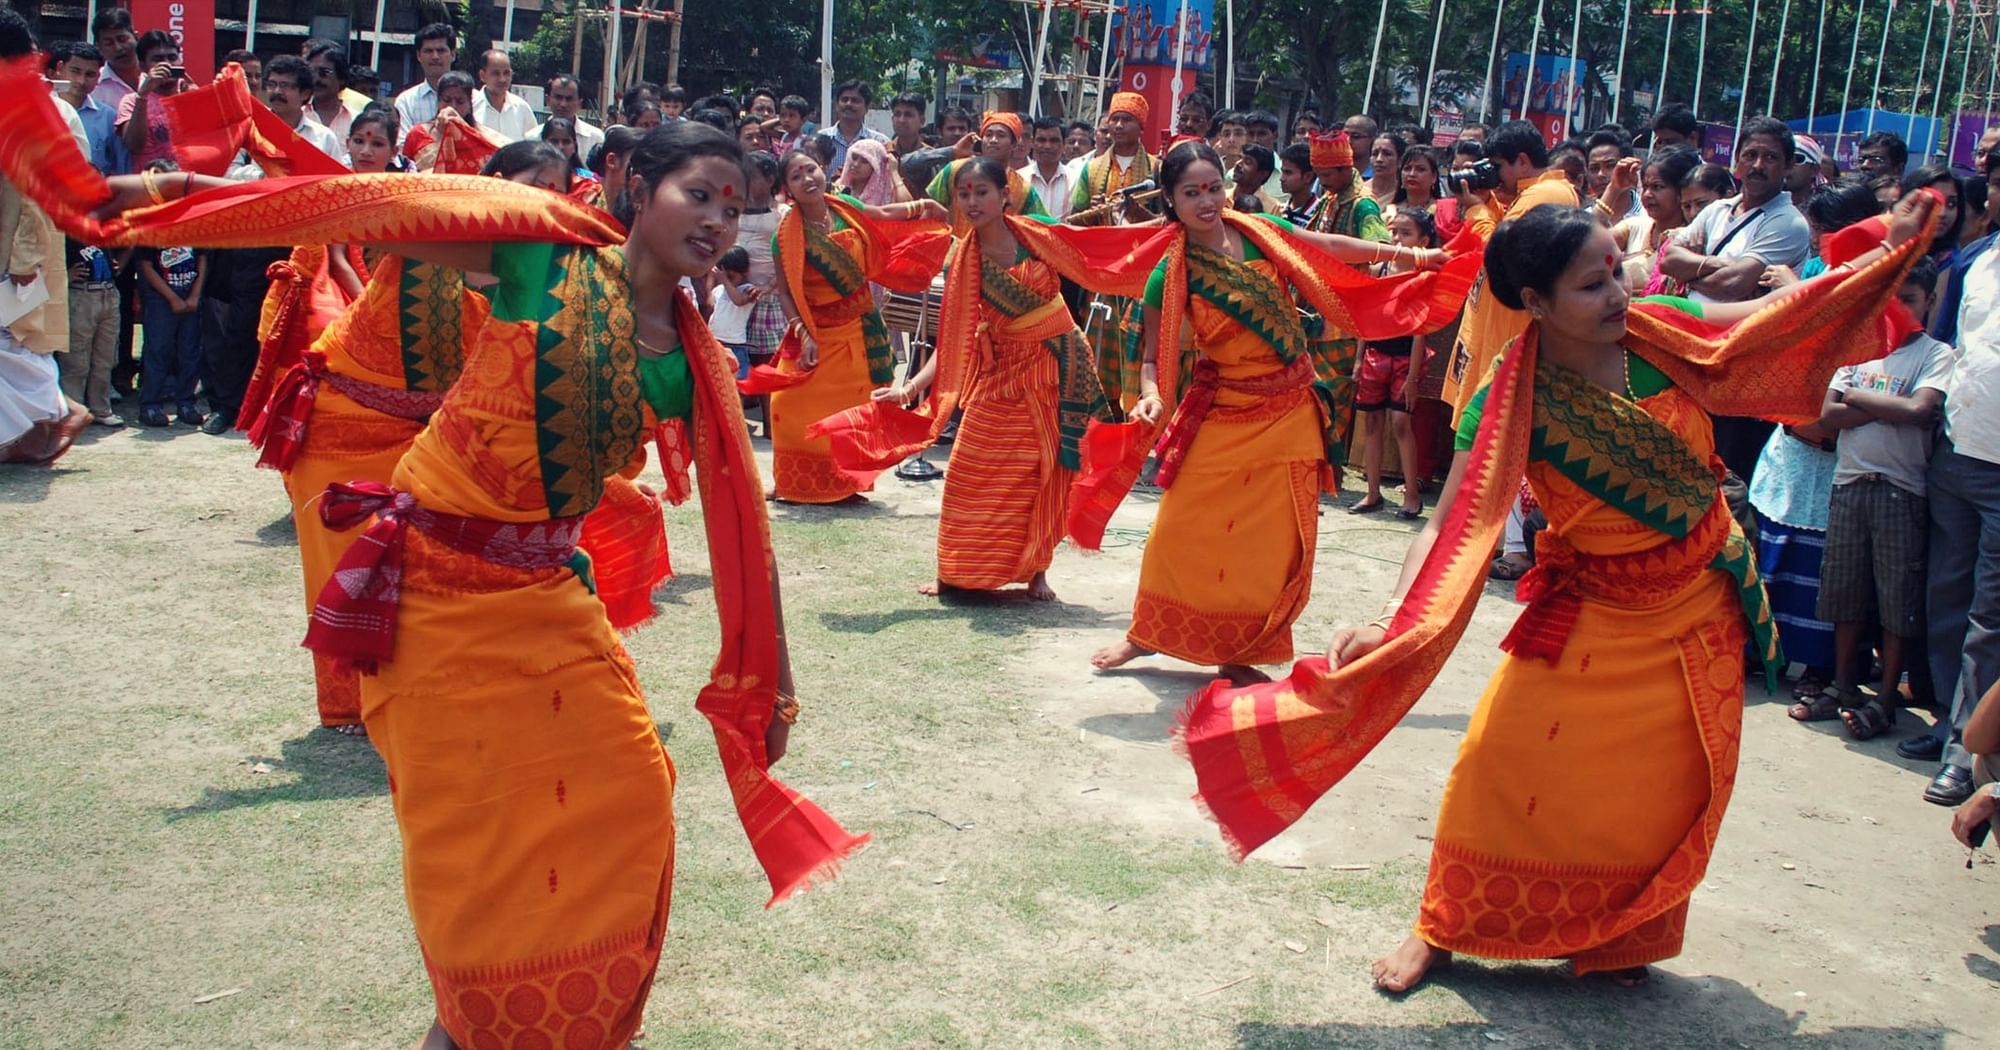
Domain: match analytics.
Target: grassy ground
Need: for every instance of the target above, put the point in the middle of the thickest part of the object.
(173, 828)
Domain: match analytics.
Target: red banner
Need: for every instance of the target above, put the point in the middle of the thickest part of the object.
(1157, 84)
(192, 22)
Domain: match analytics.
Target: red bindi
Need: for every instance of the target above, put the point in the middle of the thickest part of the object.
(1609, 260)
(728, 190)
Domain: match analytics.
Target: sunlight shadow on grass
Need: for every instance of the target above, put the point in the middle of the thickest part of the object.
(983, 614)
(317, 767)
(22, 484)
(1538, 1004)
(278, 532)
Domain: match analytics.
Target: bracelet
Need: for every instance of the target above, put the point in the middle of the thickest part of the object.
(152, 187)
(187, 183)
(786, 709)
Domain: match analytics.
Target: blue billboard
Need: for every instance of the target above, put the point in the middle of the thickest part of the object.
(1146, 33)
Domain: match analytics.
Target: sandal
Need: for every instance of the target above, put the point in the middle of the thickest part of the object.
(1511, 567)
(1823, 706)
(1808, 685)
(1869, 720)
(1367, 507)
(1406, 514)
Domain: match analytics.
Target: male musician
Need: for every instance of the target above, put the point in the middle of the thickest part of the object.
(1125, 164)
(999, 134)
(1342, 208)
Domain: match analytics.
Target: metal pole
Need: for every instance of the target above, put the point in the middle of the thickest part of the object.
(1875, 96)
(1777, 59)
(1492, 64)
(826, 60)
(1575, 74)
(575, 54)
(674, 44)
(1618, 77)
(1180, 59)
(1700, 63)
(1937, 97)
(1041, 53)
(1743, 94)
(250, 27)
(1666, 51)
(1534, 45)
(507, 24)
(1958, 99)
(1853, 55)
(1992, 68)
(1431, 71)
(1923, 59)
(1812, 95)
(1104, 59)
(614, 18)
(1229, 57)
(1367, 96)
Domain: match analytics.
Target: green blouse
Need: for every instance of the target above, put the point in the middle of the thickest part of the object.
(1156, 284)
(1642, 379)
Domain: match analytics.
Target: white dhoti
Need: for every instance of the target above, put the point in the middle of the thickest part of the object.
(30, 389)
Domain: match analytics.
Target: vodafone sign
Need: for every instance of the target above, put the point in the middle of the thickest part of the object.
(192, 22)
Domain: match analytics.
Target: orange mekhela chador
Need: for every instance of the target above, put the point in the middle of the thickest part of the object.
(1228, 565)
(1590, 787)
(529, 781)
(827, 273)
(349, 407)
(1010, 355)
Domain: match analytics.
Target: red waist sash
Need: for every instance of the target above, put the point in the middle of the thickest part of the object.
(354, 619)
(1563, 578)
(1207, 382)
(281, 430)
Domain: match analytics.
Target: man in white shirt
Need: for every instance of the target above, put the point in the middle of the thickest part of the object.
(496, 108)
(1963, 603)
(437, 46)
(566, 101)
(1047, 175)
(1738, 238)
(288, 84)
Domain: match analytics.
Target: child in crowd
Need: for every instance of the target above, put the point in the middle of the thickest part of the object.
(170, 284)
(729, 302)
(93, 327)
(793, 126)
(1386, 379)
(1885, 412)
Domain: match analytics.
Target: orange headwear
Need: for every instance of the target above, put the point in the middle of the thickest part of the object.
(1132, 104)
(1010, 121)
(1331, 151)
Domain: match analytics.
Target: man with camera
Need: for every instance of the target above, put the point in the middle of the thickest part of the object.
(1514, 179)
(141, 118)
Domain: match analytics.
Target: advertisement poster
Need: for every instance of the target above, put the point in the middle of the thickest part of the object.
(1556, 78)
(1147, 41)
(192, 22)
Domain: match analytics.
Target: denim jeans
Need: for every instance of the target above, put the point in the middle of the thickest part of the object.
(171, 359)
(1964, 589)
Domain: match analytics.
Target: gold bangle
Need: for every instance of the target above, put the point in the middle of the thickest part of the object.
(152, 187)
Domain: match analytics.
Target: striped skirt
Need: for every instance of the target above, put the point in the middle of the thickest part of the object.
(1789, 558)
(1005, 495)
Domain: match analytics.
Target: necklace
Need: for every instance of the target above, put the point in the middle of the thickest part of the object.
(651, 350)
(1625, 365)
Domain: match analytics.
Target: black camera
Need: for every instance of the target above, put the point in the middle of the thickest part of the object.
(1482, 175)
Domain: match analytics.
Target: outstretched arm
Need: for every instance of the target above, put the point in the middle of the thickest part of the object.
(1355, 250)
(130, 191)
(906, 211)
(1352, 643)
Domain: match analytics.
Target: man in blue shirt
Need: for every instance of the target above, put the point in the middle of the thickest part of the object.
(76, 68)
(850, 107)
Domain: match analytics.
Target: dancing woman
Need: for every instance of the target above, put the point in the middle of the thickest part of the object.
(530, 786)
(1588, 792)
(1229, 564)
(1010, 354)
(828, 248)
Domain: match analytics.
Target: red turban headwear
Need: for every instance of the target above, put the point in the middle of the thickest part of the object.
(1331, 151)
(1132, 104)
(1010, 121)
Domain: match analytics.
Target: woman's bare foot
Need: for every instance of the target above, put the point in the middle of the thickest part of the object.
(1039, 589)
(1240, 675)
(930, 588)
(1118, 655)
(1631, 977)
(350, 729)
(435, 1039)
(1405, 968)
